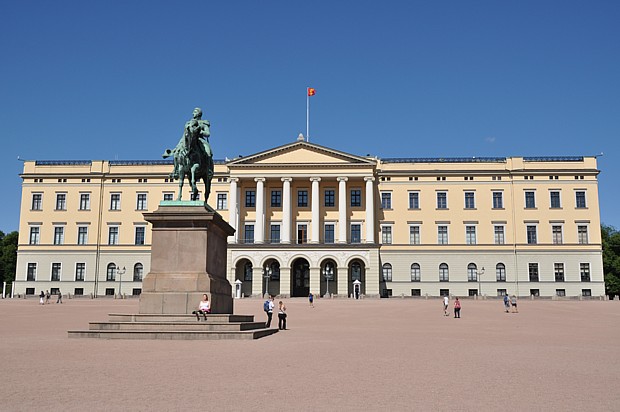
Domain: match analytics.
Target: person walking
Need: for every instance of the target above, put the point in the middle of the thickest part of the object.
(268, 307)
(457, 308)
(513, 303)
(506, 303)
(446, 304)
(47, 296)
(42, 298)
(311, 299)
(281, 316)
(59, 299)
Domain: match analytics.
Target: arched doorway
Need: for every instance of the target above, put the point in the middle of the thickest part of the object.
(328, 277)
(357, 271)
(300, 278)
(243, 272)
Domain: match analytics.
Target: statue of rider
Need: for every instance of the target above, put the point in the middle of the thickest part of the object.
(199, 127)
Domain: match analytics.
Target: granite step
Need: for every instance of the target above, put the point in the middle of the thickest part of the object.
(209, 325)
(172, 335)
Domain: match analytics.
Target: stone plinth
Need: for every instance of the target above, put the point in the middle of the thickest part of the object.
(188, 259)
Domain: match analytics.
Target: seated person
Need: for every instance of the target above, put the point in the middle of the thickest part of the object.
(204, 307)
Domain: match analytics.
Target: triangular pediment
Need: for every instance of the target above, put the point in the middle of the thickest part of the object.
(301, 153)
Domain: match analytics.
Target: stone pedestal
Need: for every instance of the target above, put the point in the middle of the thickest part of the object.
(188, 259)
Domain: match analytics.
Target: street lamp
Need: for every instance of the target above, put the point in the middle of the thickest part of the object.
(480, 274)
(328, 272)
(267, 274)
(120, 273)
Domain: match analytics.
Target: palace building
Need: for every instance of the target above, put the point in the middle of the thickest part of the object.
(309, 218)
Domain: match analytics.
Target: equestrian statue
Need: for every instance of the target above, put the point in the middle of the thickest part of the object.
(192, 156)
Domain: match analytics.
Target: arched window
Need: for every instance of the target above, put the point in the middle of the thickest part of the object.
(387, 272)
(138, 271)
(415, 272)
(111, 272)
(472, 272)
(275, 270)
(444, 275)
(500, 272)
(247, 271)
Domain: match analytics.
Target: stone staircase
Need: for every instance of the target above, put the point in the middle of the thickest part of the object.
(175, 327)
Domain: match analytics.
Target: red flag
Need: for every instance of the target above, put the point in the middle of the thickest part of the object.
(311, 91)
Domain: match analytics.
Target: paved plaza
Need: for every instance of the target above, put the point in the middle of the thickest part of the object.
(344, 355)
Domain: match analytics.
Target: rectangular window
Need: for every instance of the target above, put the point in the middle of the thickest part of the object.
(556, 234)
(115, 201)
(558, 269)
(555, 199)
(250, 198)
(222, 201)
(560, 292)
(386, 200)
(444, 292)
(498, 200)
(530, 200)
(442, 200)
(584, 271)
(414, 200)
(37, 201)
(82, 235)
(386, 235)
(248, 233)
(35, 235)
(470, 200)
(59, 235)
(141, 201)
(302, 198)
(80, 271)
(84, 201)
(586, 292)
(274, 235)
(330, 198)
(580, 200)
(531, 235)
(470, 235)
(31, 275)
(56, 272)
(140, 232)
(416, 292)
(582, 234)
(414, 235)
(276, 198)
(168, 197)
(329, 233)
(302, 234)
(501, 292)
(535, 292)
(356, 197)
(499, 235)
(61, 201)
(500, 272)
(356, 233)
(442, 235)
(533, 272)
(113, 235)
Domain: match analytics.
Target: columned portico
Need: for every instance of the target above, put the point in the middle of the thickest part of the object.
(259, 229)
(370, 210)
(233, 209)
(315, 210)
(342, 209)
(286, 211)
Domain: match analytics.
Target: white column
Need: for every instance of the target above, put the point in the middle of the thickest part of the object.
(259, 228)
(342, 209)
(286, 211)
(370, 210)
(316, 229)
(233, 210)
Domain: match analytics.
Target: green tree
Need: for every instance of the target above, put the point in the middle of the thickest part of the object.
(611, 259)
(8, 256)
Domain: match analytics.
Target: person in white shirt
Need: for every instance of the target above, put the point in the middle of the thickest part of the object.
(446, 304)
(204, 307)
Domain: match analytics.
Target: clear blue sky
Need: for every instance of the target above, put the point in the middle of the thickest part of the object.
(117, 80)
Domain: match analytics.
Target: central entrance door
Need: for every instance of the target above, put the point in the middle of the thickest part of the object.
(300, 282)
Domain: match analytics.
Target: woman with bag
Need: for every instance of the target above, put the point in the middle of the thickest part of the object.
(281, 316)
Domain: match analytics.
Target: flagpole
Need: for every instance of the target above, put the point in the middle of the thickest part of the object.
(307, 115)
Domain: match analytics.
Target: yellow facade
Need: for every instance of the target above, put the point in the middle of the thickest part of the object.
(309, 217)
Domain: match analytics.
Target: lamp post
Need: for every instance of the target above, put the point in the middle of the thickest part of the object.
(267, 274)
(120, 273)
(328, 272)
(480, 274)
